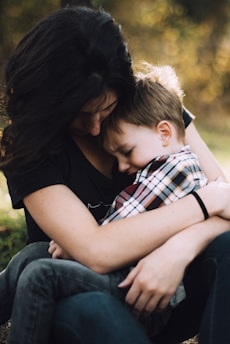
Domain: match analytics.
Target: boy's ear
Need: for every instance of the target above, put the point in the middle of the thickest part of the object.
(165, 131)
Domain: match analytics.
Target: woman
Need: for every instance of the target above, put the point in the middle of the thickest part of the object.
(64, 78)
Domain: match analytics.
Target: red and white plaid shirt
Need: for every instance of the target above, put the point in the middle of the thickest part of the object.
(164, 180)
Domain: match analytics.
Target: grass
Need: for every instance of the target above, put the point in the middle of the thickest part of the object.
(12, 226)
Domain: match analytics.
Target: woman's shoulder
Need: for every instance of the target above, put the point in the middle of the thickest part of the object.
(68, 167)
(53, 169)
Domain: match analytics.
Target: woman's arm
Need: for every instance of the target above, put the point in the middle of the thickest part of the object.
(156, 277)
(66, 220)
(207, 161)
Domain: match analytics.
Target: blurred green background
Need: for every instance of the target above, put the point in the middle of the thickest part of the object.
(192, 36)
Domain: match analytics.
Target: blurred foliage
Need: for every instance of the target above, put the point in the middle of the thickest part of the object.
(12, 240)
(12, 226)
(197, 46)
(191, 36)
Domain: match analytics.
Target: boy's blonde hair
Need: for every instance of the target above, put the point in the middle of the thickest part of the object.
(157, 97)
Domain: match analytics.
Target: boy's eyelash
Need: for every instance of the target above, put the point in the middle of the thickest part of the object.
(126, 153)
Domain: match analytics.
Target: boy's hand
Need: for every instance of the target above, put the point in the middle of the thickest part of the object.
(57, 251)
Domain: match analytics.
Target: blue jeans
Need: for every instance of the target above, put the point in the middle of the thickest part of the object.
(206, 310)
(34, 287)
(9, 277)
(95, 318)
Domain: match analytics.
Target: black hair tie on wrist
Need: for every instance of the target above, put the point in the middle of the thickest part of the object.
(201, 204)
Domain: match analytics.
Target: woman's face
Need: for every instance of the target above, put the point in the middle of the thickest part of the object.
(93, 113)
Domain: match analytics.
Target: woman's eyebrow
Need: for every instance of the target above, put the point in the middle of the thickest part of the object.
(111, 104)
(98, 109)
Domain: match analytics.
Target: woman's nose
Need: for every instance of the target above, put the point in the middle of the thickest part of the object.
(95, 125)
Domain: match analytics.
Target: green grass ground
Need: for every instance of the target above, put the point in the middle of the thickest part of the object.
(12, 226)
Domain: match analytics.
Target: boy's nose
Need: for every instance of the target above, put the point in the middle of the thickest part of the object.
(123, 166)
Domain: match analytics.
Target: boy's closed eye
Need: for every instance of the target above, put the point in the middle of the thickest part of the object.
(127, 153)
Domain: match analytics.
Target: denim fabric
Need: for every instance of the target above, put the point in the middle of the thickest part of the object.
(44, 281)
(206, 310)
(9, 277)
(95, 318)
(108, 319)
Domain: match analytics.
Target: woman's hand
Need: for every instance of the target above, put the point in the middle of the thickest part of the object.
(154, 279)
(57, 251)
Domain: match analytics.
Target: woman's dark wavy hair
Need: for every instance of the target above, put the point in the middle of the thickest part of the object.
(65, 60)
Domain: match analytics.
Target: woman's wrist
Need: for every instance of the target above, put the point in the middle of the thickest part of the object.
(207, 196)
(216, 199)
(201, 204)
(183, 248)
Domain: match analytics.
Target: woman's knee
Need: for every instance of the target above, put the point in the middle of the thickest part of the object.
(202, 273)
(30, 253)
(34, 275)
(74, 315)
(109, 320)
(88, 305)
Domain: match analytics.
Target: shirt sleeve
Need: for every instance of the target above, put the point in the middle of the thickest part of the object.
(188, 117)
(21, 184)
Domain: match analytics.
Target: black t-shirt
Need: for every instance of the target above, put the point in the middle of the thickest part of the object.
(70, 168)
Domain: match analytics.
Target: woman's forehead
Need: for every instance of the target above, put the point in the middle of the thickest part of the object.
(100, 103)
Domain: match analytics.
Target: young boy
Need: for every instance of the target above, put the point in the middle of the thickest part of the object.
(147, 138)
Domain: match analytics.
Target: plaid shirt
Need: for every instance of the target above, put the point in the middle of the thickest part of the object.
(164, 180)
